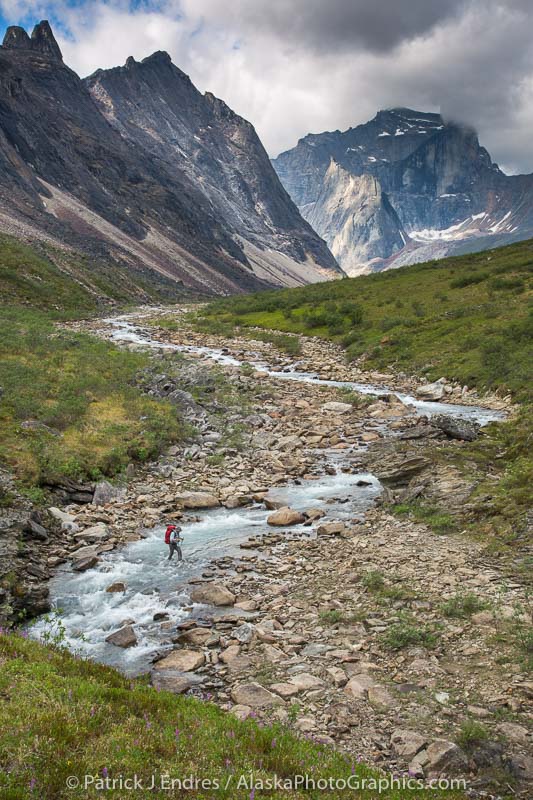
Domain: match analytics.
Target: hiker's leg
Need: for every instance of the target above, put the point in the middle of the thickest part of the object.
(170, 551)
(178, 550)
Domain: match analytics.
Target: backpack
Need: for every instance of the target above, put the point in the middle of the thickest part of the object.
(168, 531)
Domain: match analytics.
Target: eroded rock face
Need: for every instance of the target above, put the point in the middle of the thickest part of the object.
(183, 188)
(407, 186)
(24, 572)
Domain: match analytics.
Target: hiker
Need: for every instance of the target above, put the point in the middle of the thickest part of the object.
(172, 538)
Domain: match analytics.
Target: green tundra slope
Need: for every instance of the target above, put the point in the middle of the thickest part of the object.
(468, 317)
(68, 404)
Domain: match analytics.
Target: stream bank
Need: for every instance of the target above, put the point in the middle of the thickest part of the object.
(335, 627)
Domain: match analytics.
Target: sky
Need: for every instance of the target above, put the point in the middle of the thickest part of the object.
(297, 66)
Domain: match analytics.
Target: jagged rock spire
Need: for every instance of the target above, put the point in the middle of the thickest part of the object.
(16, 38)
(42, 40)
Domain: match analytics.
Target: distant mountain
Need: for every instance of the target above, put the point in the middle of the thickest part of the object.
(136, 165)
(405, 187)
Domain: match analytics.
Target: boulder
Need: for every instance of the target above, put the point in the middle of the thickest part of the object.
(124, 637)
(181, 661)
(358, 686)
(105, 492)
(332, 529)
(255, 696)
(87, 562)
(285, 690)
(304, 681)
(197, 500)
(198, 637)
(96, 533)
(400, 474)
(407, 743)
(167, 682)
(68, 521)
(118, 586)
(243, 633)
(431, 391)
(445, 757)
(285, 516)
(456, 427)
(337, 408)
(213, 594)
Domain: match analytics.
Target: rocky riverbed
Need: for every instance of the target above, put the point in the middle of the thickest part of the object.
(305, 596)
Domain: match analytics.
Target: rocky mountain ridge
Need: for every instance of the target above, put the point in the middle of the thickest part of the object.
(434, 191)
(102, 166)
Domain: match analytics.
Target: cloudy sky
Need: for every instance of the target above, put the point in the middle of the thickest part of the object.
(295, 66)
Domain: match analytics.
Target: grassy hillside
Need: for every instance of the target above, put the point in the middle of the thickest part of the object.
(68, 404)
(72, 285)
(468, 317)
(61, 716)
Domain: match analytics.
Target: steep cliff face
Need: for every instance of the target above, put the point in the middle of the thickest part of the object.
(154, 104)
(356, 218)
(440, 183)
(75, 167)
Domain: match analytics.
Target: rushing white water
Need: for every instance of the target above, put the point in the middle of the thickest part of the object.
(89, 613)
(126, 331)
(154, 585)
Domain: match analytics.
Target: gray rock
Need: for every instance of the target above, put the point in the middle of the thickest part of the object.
(169, 682)
(125, 637)
(255, 696)
(83, 564)
(243, 633)
(431, 391)
(446, 757)
(456, 428)
(105, 492)
(407, 743)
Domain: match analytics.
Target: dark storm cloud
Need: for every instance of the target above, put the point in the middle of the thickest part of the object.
(327, 25)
